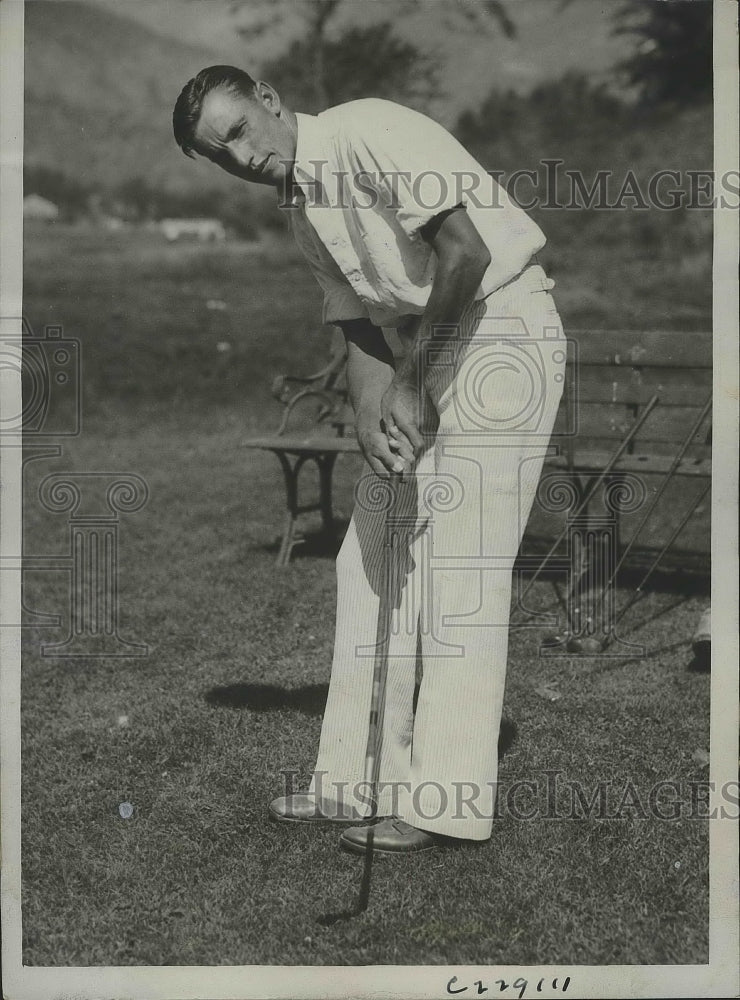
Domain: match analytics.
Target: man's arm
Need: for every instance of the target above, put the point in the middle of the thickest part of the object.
(462, 259)
(370, 371)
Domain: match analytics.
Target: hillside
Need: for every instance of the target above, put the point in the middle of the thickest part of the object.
(552, 38)
(99, 96)
(101, 79)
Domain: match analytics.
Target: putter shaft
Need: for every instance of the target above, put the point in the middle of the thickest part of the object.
(380, 663)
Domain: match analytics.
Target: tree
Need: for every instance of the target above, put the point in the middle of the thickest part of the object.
(136, 198)
(362, 62)
(560, 118)
(672, 61)
(315, 24)
(69, 193)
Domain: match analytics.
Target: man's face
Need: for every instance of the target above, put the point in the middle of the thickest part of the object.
(246, 136)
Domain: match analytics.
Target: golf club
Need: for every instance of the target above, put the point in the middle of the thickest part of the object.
(377, 705)
(649, 407)
(380, 664)
(656, 497)
(638, 591)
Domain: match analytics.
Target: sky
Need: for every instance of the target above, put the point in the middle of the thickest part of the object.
(551, 39)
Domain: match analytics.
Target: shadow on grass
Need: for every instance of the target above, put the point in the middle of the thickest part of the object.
(702, 661)
(687, 575)
(313, 544)
(310, 699)
(608, 663)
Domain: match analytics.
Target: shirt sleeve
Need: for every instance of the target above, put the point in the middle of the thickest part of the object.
(341, 302)
(411, 162)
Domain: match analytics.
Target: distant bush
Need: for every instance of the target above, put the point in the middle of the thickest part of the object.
(671, 63)
(588, 130)
(244, 211)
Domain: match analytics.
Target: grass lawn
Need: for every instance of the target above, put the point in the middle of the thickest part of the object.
(195, 735)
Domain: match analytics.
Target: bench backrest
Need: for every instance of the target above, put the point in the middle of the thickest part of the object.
(612, 374)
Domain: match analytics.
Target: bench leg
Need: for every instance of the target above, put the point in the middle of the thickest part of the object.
(288, 539)
(290, 474)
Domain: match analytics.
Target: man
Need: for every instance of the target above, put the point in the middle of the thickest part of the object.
(413, 243)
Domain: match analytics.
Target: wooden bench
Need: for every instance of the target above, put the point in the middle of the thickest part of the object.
(316, 426)
(612, 376)
(654, 390)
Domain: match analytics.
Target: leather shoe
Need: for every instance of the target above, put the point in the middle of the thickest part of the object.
(390, 836)
(302, 808)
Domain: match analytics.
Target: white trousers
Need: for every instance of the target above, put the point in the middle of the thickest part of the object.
(457, 525)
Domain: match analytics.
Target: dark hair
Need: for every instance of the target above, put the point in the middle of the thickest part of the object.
(189, 104)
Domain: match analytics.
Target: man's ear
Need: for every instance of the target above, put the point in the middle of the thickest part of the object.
(269, 97)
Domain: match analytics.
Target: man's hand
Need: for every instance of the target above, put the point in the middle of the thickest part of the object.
(370, 371)
(462, 260)
(382, 457)
(400, 409)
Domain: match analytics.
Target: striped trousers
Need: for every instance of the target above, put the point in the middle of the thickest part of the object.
(446, 551)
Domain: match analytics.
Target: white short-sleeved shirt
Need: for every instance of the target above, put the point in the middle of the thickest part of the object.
(371, 174)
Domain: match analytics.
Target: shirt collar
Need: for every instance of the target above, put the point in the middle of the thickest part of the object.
(311, 162)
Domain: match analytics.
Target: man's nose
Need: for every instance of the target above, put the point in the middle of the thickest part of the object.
(244, 157)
